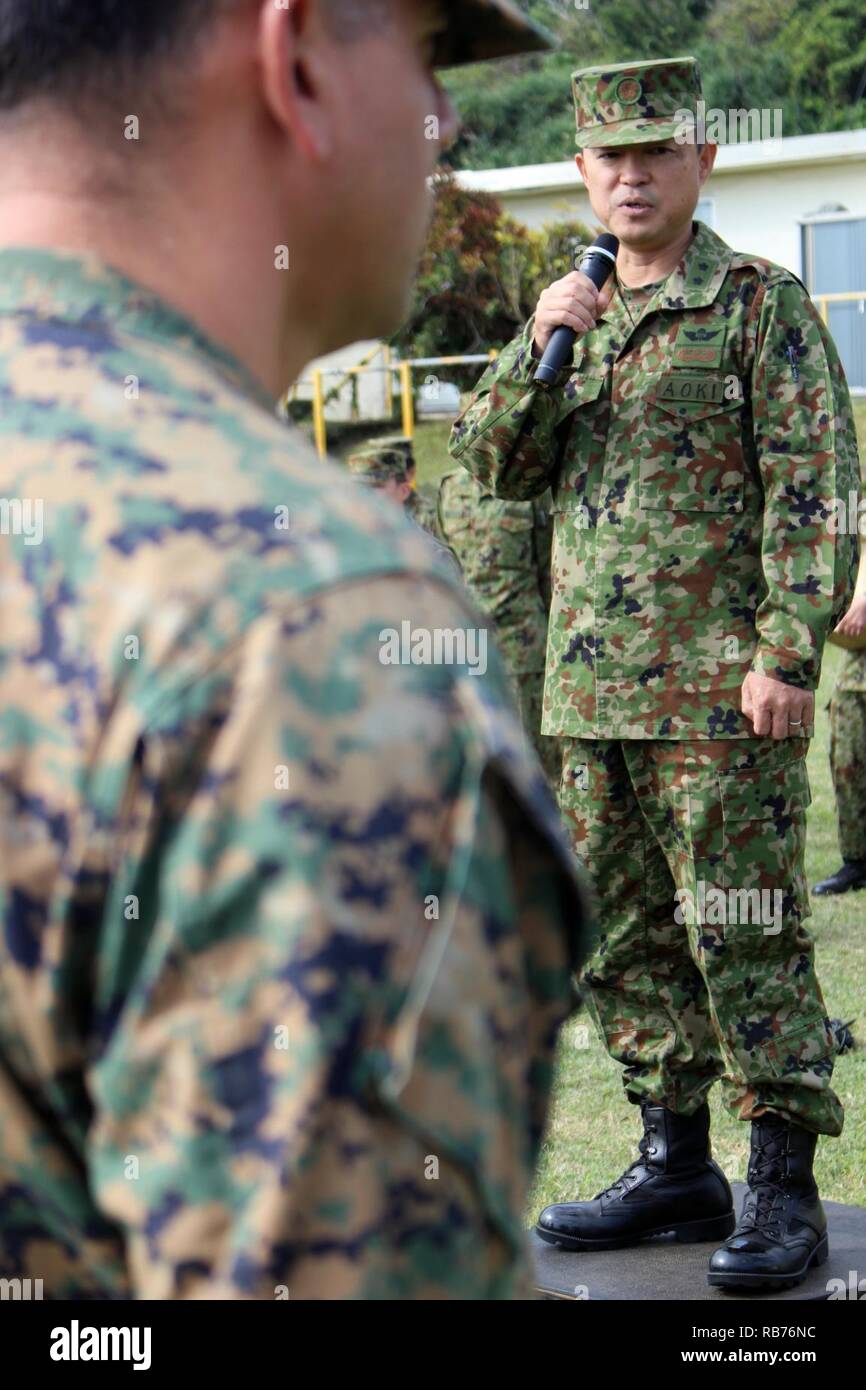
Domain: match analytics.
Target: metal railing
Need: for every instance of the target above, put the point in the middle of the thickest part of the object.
(403, 371)
(825, 300)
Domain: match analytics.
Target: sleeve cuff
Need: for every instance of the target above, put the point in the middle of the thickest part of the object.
(780, 665)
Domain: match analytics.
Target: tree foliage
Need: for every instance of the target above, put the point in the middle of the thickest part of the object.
(481, 274)
(804, 57)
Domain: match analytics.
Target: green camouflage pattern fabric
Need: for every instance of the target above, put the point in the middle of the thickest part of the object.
(379, 465)
(288, 931)
(695, 458)
(632, 103)
(504, 551)
(529, 689)
(689, 984)
(852, 673)
(422, 509)
(848, 755)
(395, 441)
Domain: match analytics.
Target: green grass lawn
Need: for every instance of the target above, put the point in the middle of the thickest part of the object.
(593, 1130)
(431, 447)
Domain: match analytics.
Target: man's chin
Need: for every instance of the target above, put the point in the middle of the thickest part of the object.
(635, 231)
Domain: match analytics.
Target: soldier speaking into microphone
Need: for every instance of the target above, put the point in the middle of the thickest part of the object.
(695, 441)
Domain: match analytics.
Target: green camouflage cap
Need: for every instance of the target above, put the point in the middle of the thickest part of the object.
(478, 29)
(402, 442)
(379, 465)
(633, 103)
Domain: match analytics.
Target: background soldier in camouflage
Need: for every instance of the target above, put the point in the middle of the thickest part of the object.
(848, 754)
(419, 505)
(384, 466)
(696, 447)
(287, 931)
(504, 552)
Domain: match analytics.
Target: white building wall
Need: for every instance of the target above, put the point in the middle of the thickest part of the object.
(753, 210)
(762, 211)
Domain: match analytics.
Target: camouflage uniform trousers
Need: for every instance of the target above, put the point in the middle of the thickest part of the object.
(529, 686)
(681, 1002)
(848, 765)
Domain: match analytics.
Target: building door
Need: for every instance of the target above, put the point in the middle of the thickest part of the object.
(835, 261)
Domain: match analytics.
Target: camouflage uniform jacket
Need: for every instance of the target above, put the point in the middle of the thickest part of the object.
(422, 510)
(691, 541)
(504, 552)
(287, 931)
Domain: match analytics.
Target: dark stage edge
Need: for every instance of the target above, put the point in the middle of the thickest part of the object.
(661, 1270)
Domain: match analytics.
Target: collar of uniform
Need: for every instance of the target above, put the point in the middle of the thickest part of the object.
(75, 289)
(696, 281)
(692, 284)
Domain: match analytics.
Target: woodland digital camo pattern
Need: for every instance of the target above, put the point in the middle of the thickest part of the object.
(691, 542)
(848, 754)
(504, 552)
(236, 1037)
(631, 103)
(680, 1004)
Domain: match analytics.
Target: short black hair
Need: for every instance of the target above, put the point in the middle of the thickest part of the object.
(72, 49)
(75, 50)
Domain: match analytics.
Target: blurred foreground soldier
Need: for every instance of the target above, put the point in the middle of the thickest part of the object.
(504, 552)
(848, 750)
(695, 446)
(385, 467)
(287, 927)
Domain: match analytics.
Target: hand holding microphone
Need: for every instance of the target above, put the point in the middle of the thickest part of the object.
(570, 306)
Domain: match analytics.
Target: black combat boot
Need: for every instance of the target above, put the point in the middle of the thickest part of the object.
(783, 1230)
(674, 1186)
(851, 875)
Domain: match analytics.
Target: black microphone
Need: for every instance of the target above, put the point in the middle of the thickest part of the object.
(597, 264)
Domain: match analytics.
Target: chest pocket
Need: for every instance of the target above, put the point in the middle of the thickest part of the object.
(691, 448)
(581, 434)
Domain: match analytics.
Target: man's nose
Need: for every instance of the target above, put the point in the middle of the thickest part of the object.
(633, 173)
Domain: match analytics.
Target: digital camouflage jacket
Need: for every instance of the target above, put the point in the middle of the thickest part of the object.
(287, 929)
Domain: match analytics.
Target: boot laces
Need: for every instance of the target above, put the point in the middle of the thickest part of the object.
(765, 1204)
(621, 1184)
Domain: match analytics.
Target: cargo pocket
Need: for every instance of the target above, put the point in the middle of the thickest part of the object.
(508, 538)
(691, 454)
(763, 834)
(804, 1050)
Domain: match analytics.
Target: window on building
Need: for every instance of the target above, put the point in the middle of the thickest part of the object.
(834, 259)
(706, 211)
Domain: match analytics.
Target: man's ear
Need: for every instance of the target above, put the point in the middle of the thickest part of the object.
(580, 161)
(293, 54)
(706, 160)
